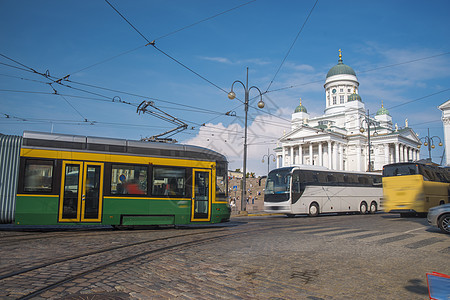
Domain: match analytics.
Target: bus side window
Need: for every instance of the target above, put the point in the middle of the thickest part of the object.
(296, 183)
(363, 180)
(315, 177)
(340, 178)
(331, 178)
(308, 175)
(376, 180)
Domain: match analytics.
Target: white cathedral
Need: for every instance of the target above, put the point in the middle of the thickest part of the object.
(339, 139)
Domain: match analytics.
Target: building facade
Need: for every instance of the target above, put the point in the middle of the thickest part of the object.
(339, 139)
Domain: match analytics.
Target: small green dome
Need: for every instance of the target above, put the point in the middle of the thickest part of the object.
(382, 111)
(340, 68)
(300, 108)
(354, 97)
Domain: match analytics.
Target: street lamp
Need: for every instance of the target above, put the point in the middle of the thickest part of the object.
(268, 159)
(428, 141)
(231, 96)
(369, 122)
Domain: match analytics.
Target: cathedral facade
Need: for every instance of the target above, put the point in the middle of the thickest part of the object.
(346, 137)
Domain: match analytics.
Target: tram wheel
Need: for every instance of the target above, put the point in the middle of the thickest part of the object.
(314, 210)
(373, 207)
(444, 223)
(363, 208)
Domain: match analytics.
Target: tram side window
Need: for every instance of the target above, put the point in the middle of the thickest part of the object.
(169, 181)
(222, 181)
(38, 176)
(129, 180)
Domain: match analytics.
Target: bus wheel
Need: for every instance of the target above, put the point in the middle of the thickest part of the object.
(363, 208)
(373, 207)
(314, 210)
(444, 223)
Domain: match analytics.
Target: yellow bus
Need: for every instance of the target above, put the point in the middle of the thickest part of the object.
(411, 189)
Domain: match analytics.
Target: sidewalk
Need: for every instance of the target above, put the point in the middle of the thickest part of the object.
(240, 213)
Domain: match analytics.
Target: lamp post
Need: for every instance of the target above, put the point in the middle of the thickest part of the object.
(428, 141)
(231, 96)
(369, 122)
(268, 159)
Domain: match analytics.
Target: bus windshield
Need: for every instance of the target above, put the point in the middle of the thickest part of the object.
(400, 170)
(278, 185)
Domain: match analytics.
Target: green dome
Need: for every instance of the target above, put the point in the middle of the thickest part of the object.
(354, 97)
(300, 108)
(340, 68)
(382, 111)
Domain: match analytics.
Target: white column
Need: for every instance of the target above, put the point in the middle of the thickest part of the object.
(329, 156)
(283, 157)
(300, 154)
(386, 154)
(402, 153)
(335, 156)
(341, 158)
(311, 154)
(358, 158)
(320, 155)
(292, 155)
(278, 160)
(397, 152)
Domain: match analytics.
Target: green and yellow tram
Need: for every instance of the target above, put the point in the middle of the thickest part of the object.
(65, 179)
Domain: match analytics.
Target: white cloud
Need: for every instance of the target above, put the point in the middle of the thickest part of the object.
(262, 135)
(224, 60)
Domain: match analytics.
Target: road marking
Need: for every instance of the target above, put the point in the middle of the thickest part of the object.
(415, 229)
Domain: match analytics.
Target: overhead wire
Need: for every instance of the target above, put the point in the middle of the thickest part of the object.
(166, 54)
(359, 72)
(292, 45)
(161, 37)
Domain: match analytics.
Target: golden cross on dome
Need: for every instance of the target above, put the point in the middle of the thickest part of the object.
(300, 101)
(382, 104)
(340, 54)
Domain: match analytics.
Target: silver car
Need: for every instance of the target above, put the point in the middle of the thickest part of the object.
(439, 216)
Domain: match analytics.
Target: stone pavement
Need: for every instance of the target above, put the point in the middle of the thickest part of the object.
(333, 257)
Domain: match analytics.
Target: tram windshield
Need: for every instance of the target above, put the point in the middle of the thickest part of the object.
(278, 185)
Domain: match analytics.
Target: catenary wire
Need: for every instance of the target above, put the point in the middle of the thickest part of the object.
(292, 45)
(166, 54)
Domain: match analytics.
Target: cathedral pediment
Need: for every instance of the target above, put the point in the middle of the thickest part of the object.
(300, 133)
(407, 133)
(445, 105)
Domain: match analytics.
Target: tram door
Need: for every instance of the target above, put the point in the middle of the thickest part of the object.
(201, 206)
(81, 192)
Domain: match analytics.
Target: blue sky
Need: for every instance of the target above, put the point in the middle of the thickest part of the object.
(400, 51)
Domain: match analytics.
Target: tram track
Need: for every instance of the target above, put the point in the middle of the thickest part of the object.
(40, 278)
(66, 259)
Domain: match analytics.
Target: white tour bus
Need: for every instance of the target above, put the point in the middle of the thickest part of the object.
(313, 190)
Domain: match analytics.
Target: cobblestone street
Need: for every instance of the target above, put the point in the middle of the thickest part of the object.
(272, 257)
